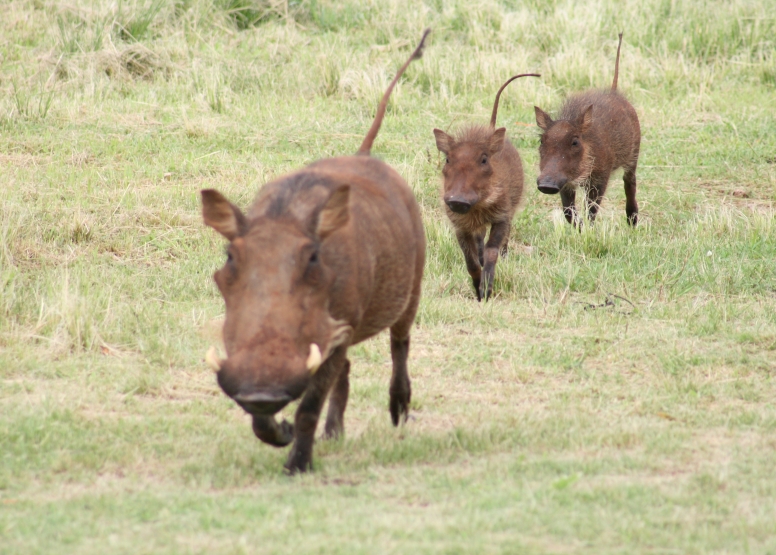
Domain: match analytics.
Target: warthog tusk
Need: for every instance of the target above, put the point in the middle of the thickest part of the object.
(212, 360)
(314, 360)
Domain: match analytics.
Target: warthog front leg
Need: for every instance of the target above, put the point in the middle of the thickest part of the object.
(595, 194)
(568, 197)
(499, 234)
(267, 429)
(471, 253)
(338, 401)
(300, 459)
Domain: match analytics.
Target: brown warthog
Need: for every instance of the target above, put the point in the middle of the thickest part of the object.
(596, 133)
(325, 258)
(483, 185)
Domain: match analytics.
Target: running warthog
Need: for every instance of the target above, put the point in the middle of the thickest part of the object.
(596, 133)
(325, 258)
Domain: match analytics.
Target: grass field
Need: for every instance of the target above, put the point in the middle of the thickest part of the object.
(617, 396)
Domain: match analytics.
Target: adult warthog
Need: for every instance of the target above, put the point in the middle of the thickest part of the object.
(325, 258)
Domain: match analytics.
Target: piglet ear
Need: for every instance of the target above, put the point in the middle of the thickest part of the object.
(444, 141)
(335, 213)
(222, 215)
(584, 121)
(543, 119)
(497, 140)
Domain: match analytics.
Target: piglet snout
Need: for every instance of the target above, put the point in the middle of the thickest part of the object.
(549, 186)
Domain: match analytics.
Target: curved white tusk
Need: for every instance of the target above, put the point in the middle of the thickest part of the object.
(211, 358)
(314, 359)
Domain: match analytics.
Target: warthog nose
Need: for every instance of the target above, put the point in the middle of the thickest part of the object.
(548, 186)
(263, 403)
(459, 206)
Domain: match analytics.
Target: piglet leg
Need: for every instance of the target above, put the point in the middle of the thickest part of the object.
(468, 243)
(567, 199)
(499, 234)
(631, 206)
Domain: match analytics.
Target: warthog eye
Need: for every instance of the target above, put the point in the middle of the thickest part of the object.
(447, 160)
(574, 142)
(312, 273)
(484, 159)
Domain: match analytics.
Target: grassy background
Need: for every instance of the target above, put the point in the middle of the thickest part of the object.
(542, 422)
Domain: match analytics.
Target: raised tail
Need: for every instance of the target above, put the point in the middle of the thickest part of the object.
(366, 146)
(617, 66)
(498, 95)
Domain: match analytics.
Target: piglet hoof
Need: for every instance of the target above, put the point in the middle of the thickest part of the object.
(477, 288)
(486, 287)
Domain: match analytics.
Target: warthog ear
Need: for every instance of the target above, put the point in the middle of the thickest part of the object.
(335, 213)
(497, 140)
(222, 215)
(543, 119)
(444, 141)
(584, 121)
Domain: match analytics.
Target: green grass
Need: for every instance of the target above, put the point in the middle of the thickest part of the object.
(617, 396)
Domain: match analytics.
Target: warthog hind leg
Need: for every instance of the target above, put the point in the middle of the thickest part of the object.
(338, 401)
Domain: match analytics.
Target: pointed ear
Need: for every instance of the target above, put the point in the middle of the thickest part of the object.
(335, 213)
(543, 119)
(497, 140)
(222, 215)
(584, 121)
(444, 141)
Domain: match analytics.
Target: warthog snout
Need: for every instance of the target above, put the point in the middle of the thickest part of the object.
(262, 384)
(459, 205)
(263, 403)
(550, 186)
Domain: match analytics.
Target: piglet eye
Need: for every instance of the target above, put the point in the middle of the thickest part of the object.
(447, 160)
(574, 142)
(314, 257)
(484, 159)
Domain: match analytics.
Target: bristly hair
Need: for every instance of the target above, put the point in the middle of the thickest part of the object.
(474, 134)
(290, 188)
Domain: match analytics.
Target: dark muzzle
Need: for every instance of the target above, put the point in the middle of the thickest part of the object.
(459, 206)
(256, 399)
(549, 186)
(263, 403)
